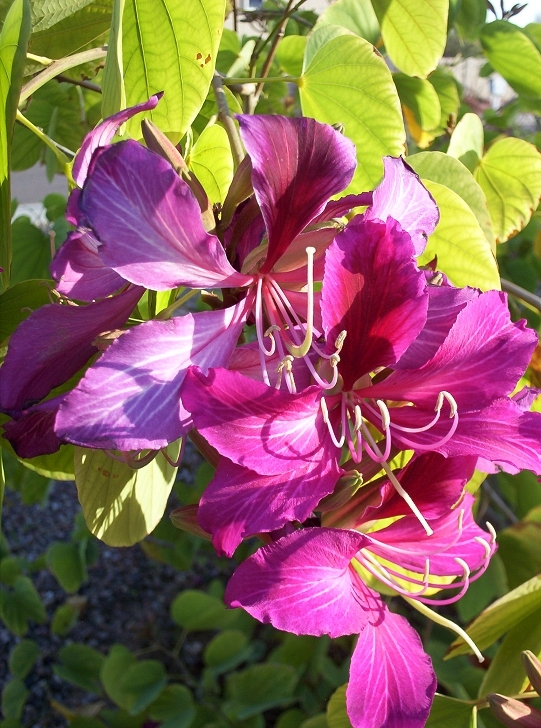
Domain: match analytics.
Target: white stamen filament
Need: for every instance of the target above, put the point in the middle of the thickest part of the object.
(304, 348)
(324, 409)
(259, 320)
(286, 365)
(377, 569)
(269, 333)
(435, 617)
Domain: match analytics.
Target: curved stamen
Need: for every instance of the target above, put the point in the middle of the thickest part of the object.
(136, 463)
(174, 463)
(433, 445)
(464, 583)
(259, 320)
(269, 333)
(304, 348)
(286, 365)
(377, 569)
(325, 411)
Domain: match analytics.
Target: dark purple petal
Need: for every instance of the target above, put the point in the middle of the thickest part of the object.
(373, 290)
(149, 222)
(80, 272)
(341, 207)
(268, 431)
(130, 398)
(103, 134)
(481, 359)
(402, 196)
(303, 584)
(32, 433)
(238, 503)
(391, 680)
(298, 164)
(54, 343)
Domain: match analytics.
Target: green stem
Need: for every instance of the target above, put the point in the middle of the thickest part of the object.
(42, 60)
(227, 120)
(268, 79)
(523, 295)
(272, 52)
(56, 67)
(63, 161)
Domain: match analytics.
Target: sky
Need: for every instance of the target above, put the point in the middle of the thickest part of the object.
(530, 14)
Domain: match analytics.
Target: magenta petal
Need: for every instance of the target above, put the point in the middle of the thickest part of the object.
(130, 398)
(103, 134)
(303, 584)
(482, 340)
(391, 683)
(373, 290)
(149, 222)
(402, 196)
(341, 207)
(54, 343)
(268, 431)
(32, 433)
(239, 503)
(298, 164)
(79, 270)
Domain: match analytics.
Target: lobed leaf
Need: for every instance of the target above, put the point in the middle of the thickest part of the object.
(355, 15)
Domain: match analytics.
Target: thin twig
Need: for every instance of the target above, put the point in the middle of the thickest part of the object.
(522, 294)
(499, 501)
(63, 64)
(84, 84)
(272, 52)
(226, 118)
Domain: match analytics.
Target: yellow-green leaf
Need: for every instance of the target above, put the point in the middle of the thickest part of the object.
(414, 33)
(13, 41)
(170, 46)
(510, 177)
(355, 15)
(463, 252)
(514, 55)
(345, 80)
(74, 31)
(212, 163)
(467, 141)
(420, 97)
(337, 716)
(290, 54)
(120, 505)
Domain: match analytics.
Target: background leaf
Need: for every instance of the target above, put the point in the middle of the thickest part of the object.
(197, 610)
(22, 658)
(212, 162)
(467, 141)
(504, 43)
(355, 15)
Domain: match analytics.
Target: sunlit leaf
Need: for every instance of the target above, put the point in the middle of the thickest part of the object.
(13, 41)
(501, 616)
(120, 505)
(470, 18)
(447, 171)
(172, 47)
(510, 176)
(421, 106)
(290, 54)
(513, 54)
(31, 251)
(72, 32)
(57, 466)
(355, 15)
(446, 87)
(212, 162)
(467, 141)
(533, 31)
(345, 81)
(463, 252)
(414, 33)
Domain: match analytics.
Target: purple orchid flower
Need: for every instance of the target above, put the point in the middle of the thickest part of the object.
(312, 582)
(152, 233)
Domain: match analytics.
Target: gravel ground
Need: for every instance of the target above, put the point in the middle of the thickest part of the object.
(128, 597)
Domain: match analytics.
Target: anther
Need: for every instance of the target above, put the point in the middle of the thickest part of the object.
(485, 545)
(385, 416)
(491, 530)
(286, 365)
(339, 343)
(452, 403)
(269, 333)
(358, 418)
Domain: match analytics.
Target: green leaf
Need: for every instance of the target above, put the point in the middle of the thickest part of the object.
(450, 713)
(64, 619)
(447, 171)
(195, 610)
(13, 698)
(120, 505)
(29, 600)
(467, 141)
(57, 466)
(506, 673)
(260, 688)
(17, 303)
(227, 650)
(316, 721)
(505, 43)
(447, 90)
(290, 54)
(355, 15)
(463, 252)
(414, 33)
(74, 32)
(46, 13)
(471, 18)
(533, 31)
(22, 658)
(113, 669)
(491, 585)
(420, 100)
(295, 650)
(143, 682)
(171, 47)
(337, 716)
(212, 162)
(175, 704)
(519, 547)
(510, 176)
(113, 90)
(13, 41)
(523, 491)
(11, 613)
(64, 560)
(345, 81)
(501, 616)
(80, 665)
(31, 251)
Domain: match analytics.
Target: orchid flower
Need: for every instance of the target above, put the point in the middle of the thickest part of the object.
(313, 581)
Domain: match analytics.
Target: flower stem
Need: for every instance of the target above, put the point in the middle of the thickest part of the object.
(226, 118)
(53, 146)
(59, 66)
(268, 79)
(521, 294)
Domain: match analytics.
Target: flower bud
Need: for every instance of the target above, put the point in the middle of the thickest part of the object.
(533, 669)
(513, 713)
(185, 518)
(345, 488)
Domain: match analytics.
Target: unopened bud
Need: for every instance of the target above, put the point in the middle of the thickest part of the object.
(533, 669)
(240, 189)
(513, 713)
(185, 518)
(345, 489)
(339, 127)
(104, 340)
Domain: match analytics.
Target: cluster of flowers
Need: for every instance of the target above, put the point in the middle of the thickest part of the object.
(327, 353)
